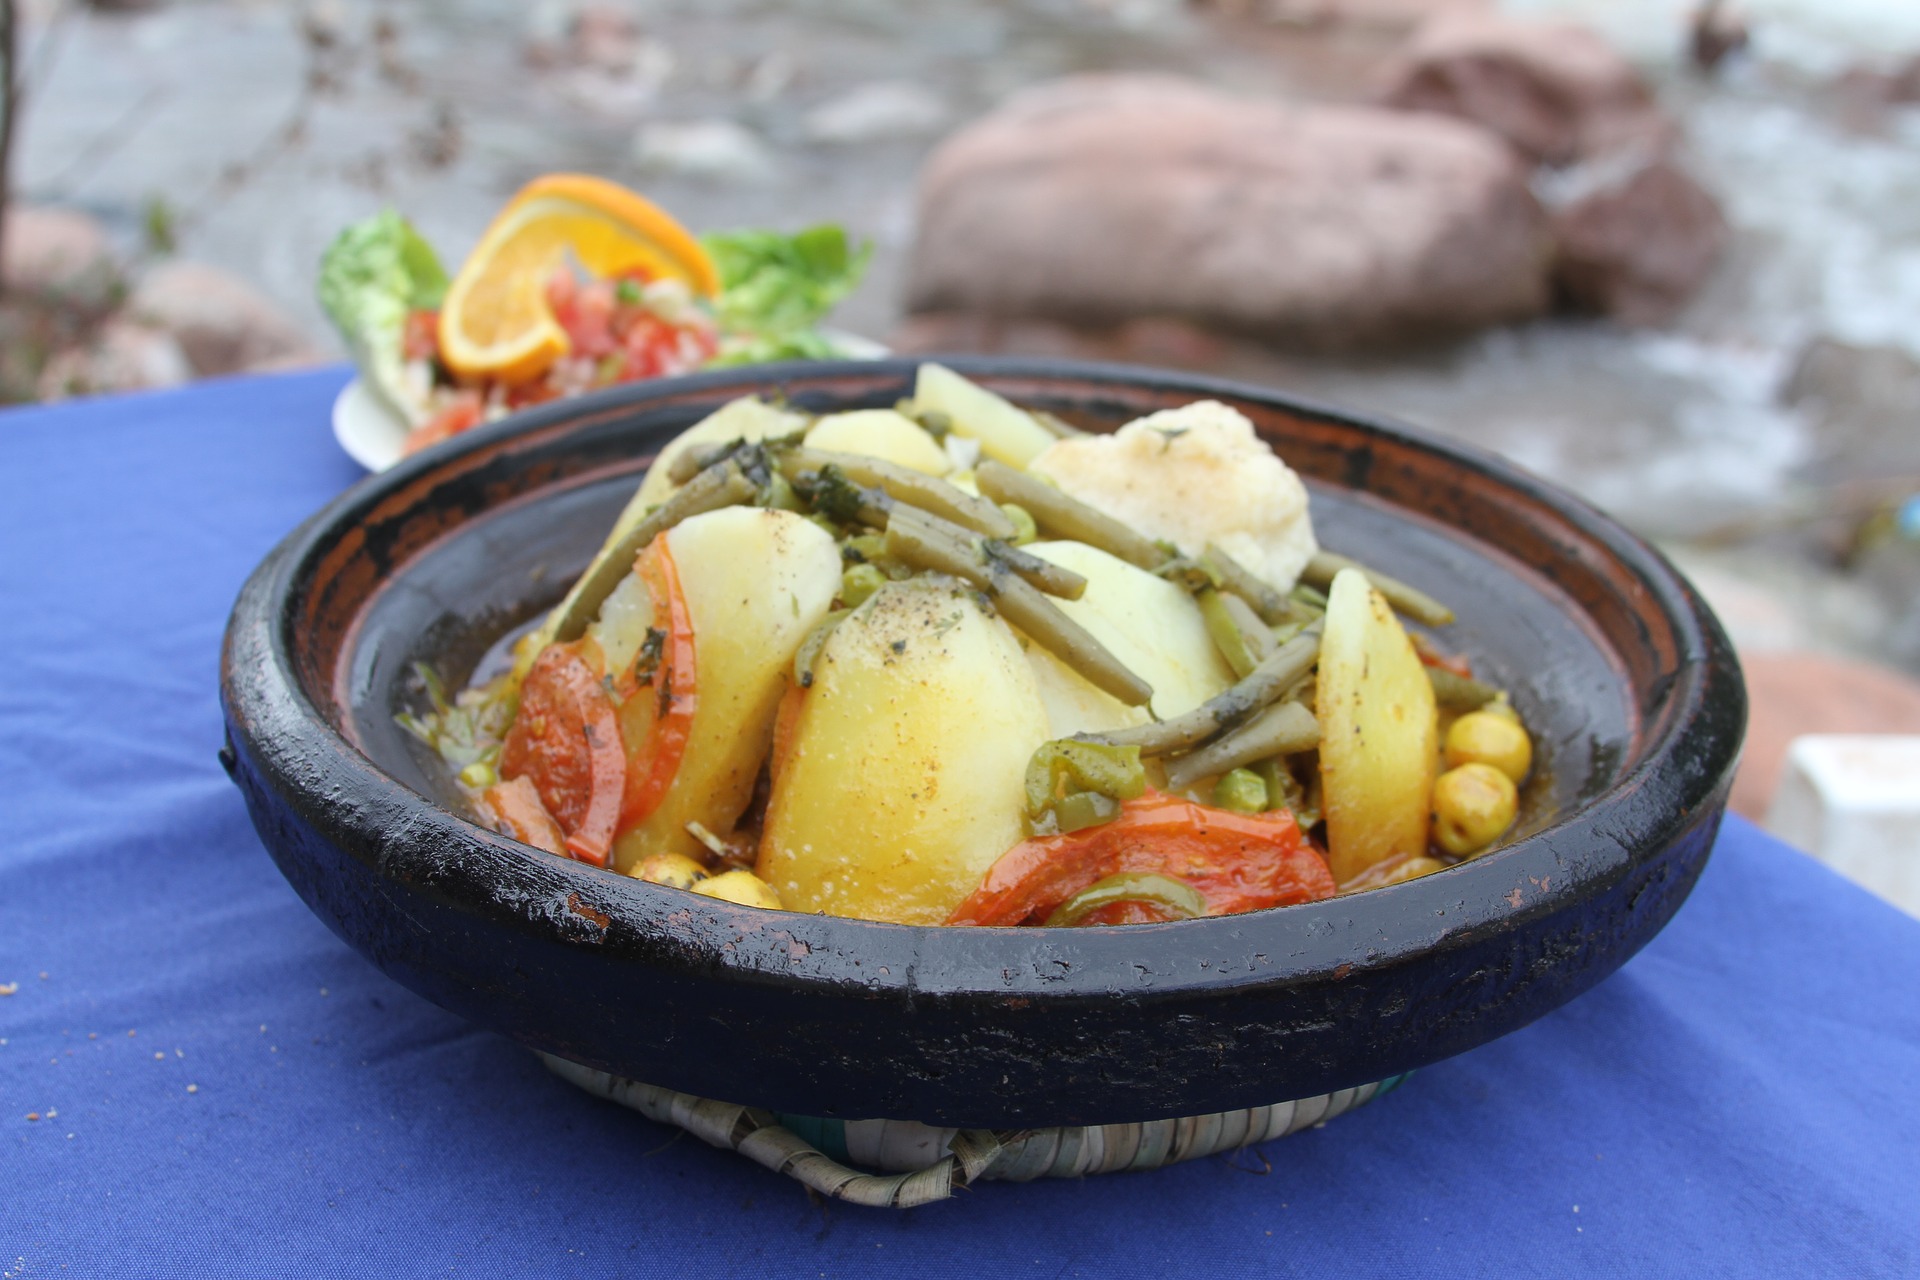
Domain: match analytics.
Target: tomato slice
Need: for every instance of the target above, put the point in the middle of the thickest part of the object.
(517, 811)
(464, 410)
(566, 741)
(1238, 862)
(657, 718)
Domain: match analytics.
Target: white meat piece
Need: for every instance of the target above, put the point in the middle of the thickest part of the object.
(1190, 476)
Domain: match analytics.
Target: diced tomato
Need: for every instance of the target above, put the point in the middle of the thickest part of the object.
(420, 339)
(1432, 657)
(589, 325)
(1238, 862)
(657, 717)
(463, 411)
(518, 812)
(538, 391)
(566, 741)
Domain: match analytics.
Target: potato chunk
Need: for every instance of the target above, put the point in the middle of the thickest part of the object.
(881, 433)
(755, 583)
(902, 773)
(1006, 432)
(1151, 625)
(1379, 735)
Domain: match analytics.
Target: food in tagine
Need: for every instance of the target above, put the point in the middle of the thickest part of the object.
(578, 284)
(957, 662)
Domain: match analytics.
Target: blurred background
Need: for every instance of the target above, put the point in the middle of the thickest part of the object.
(1664, 252)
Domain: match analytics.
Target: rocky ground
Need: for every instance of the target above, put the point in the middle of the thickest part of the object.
(1692, 295)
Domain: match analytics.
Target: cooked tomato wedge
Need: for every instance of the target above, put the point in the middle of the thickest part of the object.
(1238, 862)
(566, 742)
(657, 717)
(517, 811)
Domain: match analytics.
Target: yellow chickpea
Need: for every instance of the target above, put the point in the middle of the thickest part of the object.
(675, 870)
(1473, 805)
(743, 887)
(1481, 737)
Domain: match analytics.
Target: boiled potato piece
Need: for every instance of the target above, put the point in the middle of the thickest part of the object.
(1379, 733)
(1006, 432)
(902, 775)
(1152, 626)
(881, 433)
(748, 418)
(755, 582)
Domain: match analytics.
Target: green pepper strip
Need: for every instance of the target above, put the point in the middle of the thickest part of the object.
(1174, 896)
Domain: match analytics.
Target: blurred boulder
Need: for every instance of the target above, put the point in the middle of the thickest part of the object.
(1101, 199)
(1556, 91)
(59, 257)
(123, 355)
(221, 323)
(1637, 237)
(878, 112)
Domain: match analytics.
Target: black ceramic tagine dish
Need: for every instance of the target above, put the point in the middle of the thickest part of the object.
(1626, 680)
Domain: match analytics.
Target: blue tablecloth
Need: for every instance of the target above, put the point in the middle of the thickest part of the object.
(223, 1087)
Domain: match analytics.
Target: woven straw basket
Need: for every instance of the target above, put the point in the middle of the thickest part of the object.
(902, 1163)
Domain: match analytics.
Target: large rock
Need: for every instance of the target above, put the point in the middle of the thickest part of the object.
(58, 256)
(1101, 199)
(1637, 240)
(1864, 404)
(122, 356)
(222, 323)
(1556, 91)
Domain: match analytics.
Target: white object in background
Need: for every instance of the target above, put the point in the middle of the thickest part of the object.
(1853, 801)
(375, 437)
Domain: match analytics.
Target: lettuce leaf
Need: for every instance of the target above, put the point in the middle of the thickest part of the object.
(775, 290)
(373, 274)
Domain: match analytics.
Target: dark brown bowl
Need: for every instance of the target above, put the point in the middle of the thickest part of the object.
(1624, 676)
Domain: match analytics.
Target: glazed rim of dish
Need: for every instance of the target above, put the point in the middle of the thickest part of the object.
(288, 687)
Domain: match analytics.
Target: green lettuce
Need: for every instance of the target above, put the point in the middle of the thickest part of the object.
(775, 290)
(372, 275)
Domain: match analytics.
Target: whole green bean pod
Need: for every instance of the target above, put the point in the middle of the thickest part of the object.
(921, 543)
(1412, 601)
(1269, 603)
(1266, 683)
(1065, 517)
(716, 487)
(1281, 730)
(904, 484)
(1458, 692)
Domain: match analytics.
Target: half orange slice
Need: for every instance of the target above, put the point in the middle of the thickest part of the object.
(495, 322)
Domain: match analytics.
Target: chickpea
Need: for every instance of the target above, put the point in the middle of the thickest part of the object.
(1481, 737)
(1473, 805)
(675, 870)
(743, 887)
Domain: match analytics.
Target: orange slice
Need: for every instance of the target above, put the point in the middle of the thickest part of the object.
(495, 322)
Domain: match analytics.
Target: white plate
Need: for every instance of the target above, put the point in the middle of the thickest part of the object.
(375, 437)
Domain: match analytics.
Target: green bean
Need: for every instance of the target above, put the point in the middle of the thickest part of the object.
(712, 489)
(904, 484)
(1267, 682)
(1260, 640)
(1240, 791)
(1281, 730)
(1412, 601)
(1065, 517)
(1458, 692)
(1273, 607)
(923, 544)
(1227, 636)
(1178, 899)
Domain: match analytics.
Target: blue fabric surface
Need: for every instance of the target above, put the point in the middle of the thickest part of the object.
(226, 1089)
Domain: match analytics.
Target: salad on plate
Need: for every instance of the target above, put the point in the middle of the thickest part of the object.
(578, 284)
